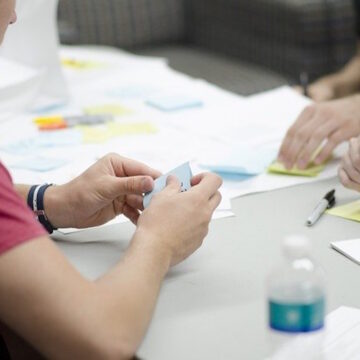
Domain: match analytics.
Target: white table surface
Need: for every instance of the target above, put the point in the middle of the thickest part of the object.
(213, 305)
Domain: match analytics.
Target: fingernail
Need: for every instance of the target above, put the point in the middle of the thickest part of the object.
(147, 184)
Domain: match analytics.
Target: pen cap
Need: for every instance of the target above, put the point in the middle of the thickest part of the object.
(296, 246)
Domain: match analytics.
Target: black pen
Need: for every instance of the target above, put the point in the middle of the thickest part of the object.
(326, 203)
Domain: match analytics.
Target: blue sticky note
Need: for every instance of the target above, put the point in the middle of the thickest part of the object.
(40, 164)
(132, 91)
(184, 175)
(242, 161)
(173, 102)
(46, 139)
(233, 176)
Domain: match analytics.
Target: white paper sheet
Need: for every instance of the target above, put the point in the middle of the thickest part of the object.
(349, 248)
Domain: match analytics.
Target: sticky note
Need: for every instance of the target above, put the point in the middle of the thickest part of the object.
(349, 248)
(44, 140)
(77, 64)
(350, 211)
(111, 109)
(66, 137)
(136, 128)
(40, 164)
(132, 91)
(240, 160)
(184, 175)
(173, 102)
(94, 135)
(311, 171)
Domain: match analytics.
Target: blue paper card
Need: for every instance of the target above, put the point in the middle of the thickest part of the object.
(184, 175)
(173, 102)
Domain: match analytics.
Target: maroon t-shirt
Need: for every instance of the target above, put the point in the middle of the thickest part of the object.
(17, 222)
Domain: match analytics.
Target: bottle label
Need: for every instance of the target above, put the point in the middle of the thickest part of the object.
(293, 317)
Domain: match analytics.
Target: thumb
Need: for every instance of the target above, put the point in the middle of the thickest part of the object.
(172, 185)
(131, 185)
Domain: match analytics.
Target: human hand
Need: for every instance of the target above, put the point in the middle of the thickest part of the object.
(324, 89)
(112, 186)
(349, 170)
(332, 122)
(178, 222)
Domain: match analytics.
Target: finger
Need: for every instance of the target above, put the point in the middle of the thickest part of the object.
(303, 118)
(354, 152)
(333, 141)
(173, 185)
(345, 180)
(132, 214)
(129, 185)
(348, 167)
(197, 179)
(215, 201)
(128, 167)
(300, 142)
(316, 139)
(208, 185)
(135, 201)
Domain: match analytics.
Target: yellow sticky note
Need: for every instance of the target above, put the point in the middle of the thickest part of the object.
(311, 171)
(120, 129)
(80, 64)
(111, 109)
(349, 211)
(94, 135)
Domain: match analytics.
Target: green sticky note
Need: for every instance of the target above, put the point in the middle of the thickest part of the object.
(311, 171)
(111, 109)
(350, 211)
(94, 135)
(134, 128)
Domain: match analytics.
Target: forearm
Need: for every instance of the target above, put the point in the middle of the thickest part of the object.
(22, 190)
(76, 318)
(131, 289)
(350, 74)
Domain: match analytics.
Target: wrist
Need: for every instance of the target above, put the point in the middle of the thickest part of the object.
(149, 244)
(55, 206)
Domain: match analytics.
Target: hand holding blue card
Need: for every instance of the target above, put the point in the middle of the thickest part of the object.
(183, 174)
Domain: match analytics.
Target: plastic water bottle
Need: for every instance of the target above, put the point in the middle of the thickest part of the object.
(296, 303)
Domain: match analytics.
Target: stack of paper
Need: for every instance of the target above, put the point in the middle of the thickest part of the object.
(349, 248)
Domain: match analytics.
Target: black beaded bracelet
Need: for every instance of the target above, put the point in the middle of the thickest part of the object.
(35, 201)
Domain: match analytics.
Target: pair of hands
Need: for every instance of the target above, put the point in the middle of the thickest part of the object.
(177, 222)
(321, 125)
(326, 125)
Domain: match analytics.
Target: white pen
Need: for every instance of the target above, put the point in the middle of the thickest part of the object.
(326, 203)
